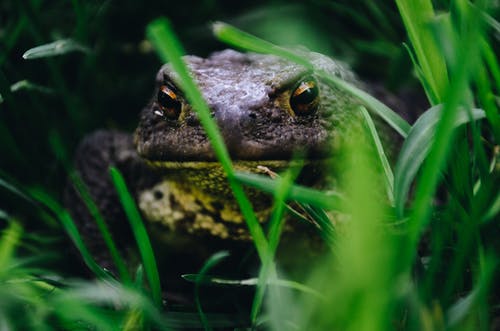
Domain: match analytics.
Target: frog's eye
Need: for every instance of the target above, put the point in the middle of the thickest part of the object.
(169, 103)
(305, 98)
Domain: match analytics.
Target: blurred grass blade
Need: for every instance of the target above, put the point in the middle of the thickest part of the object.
(217, 281)
(485, 89)
(11, 188)
(140, 235)
(267, 271)
(283, 186)
(3, 215)
(162, 37)
(8, 242)
(80, 187)
(70, 227)
(490, 20)
(326, 227)
(421, 76)
(491, 58)
(416, 17)
(465, 306)
(389, 177)
(29, 86)
(139, 277)
(416, 148)
(456, 95)
(298, 193)
(118, 260)
(55, 48)
(493, 211)
(84, 301)
(133, 321)
(387, 114)
(233, 36)
(244, 40)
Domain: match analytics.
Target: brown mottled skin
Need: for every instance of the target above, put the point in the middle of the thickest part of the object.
(170, 167)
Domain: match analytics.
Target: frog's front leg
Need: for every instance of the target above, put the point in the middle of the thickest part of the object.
(96, 154)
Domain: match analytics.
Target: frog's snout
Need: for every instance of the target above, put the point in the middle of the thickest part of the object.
(230, 123)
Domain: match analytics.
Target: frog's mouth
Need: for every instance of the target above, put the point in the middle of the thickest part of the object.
(210, 177)
(239, 165)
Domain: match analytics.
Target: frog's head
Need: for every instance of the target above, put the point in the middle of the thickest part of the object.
(266, 108)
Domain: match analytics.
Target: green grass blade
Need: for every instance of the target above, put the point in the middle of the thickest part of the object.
(298, 193)
(82, 189)
(224, 282)
(388, 175)
(485, 90)
(267, 271)
(441, 144)
(59, 47)
(11, 188)
(492, 60)
(490, 20)
(70, 227)
(465, 306)
(388, 115)
(8, 241)
(421, 76)
(29, 86)
(417, 16)
(284, 185)
(11, 39)
(140, 234)
(244, 40)
(326, 227)
(103, 228)
(493, 211)
(86, 301)
(160, 34)
(416, 148)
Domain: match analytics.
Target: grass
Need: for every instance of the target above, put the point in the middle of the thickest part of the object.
(418, 252)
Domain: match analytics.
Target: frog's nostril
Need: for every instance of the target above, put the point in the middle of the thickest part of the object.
(252, 115)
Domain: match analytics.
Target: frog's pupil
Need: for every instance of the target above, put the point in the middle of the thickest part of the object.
(304, 99)
(168, 102)
(307, 96)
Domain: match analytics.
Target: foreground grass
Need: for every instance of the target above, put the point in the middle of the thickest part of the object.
(376, 279)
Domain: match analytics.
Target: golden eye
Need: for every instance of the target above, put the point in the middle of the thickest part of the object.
(169, 104)
(305, 98)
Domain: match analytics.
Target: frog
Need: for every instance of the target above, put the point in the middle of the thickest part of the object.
(268, 110)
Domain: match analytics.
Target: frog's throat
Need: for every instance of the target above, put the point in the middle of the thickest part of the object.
(195, 197)
(182, 209)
